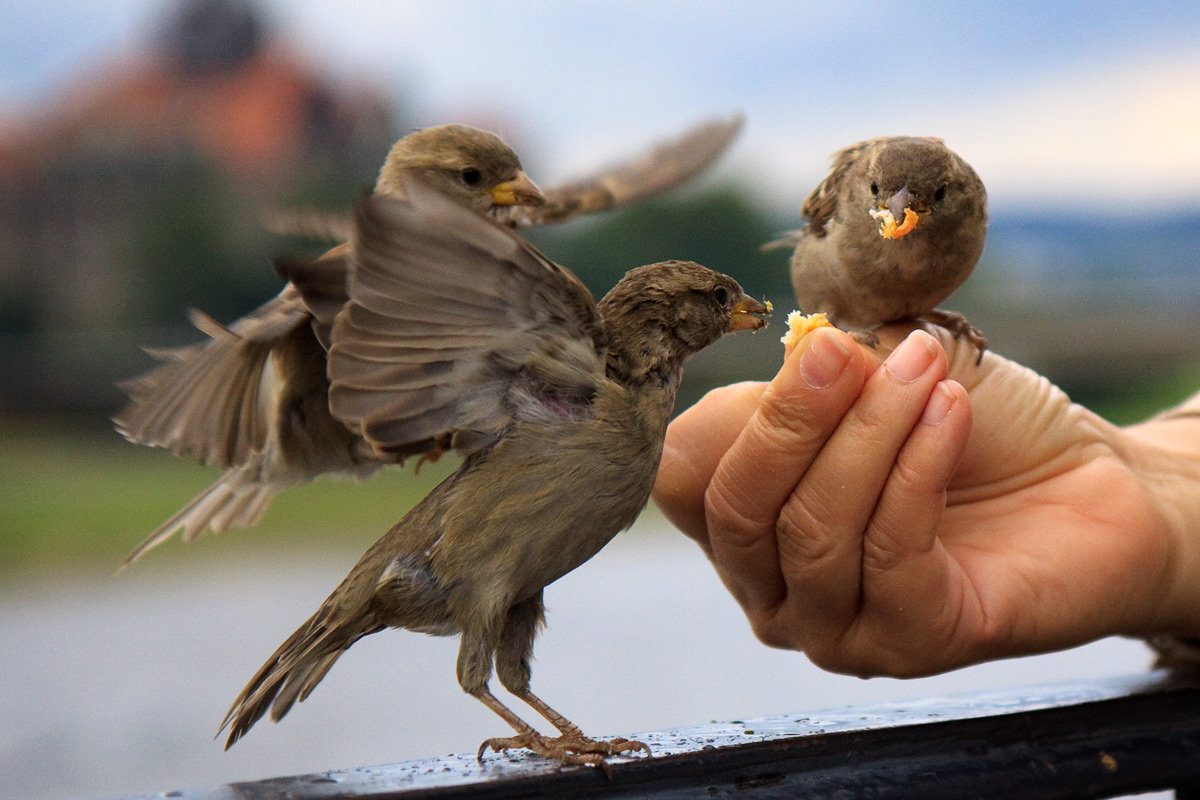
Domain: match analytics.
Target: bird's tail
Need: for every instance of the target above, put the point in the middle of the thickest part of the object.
(236, 499)
(787, 240)
(292, 672)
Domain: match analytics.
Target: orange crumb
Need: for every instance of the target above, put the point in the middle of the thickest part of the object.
(890, 230)
(799, 324)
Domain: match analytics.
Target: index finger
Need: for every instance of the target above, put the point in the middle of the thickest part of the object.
(798, 411)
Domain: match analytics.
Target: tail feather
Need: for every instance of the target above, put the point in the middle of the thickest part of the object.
(787, 240)
(233, 500)
(292, 672)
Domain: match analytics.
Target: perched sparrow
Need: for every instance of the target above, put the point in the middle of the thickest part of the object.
(459, 334)
(254, 398)
(895, 227)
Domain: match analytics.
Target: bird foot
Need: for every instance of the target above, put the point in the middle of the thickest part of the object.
(959, 326)
(568, 748)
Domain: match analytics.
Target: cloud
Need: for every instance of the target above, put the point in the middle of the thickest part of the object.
(1109, 134)
(1114, 135)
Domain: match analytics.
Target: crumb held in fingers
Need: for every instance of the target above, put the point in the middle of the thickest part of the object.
(799, 325)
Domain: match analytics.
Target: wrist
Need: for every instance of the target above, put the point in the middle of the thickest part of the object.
(1165, 454)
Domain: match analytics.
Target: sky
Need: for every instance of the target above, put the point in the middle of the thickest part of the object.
(1091, 107)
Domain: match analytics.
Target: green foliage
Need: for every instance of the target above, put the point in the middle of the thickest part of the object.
(1128, 404)
(199, 244)
(74, 499)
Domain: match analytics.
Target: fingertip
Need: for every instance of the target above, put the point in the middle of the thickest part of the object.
(819, 378)
(949, 402)
(941, 403)
(824, 357)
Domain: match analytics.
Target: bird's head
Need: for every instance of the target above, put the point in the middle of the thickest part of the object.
(662, 313)
(473, 167)
(911, 182)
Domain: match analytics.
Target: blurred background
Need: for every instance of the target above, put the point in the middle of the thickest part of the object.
(140, 141)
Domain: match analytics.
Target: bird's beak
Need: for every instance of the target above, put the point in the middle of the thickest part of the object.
(520, 191)
(898, 202)
(747, 315)
(899, 215)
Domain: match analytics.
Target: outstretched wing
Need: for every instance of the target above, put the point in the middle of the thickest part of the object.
(663, 167)
(456, 327)
(207, 400)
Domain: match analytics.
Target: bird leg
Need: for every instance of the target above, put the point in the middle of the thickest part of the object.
(512, 655)
(958, 325)
(574, 738)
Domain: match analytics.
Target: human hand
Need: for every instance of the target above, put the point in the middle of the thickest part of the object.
(932, 513)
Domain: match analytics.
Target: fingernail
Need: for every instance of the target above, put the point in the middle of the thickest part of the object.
(823, 361)
(939, 405)
(914, 355)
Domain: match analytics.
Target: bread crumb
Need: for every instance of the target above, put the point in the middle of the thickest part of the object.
(799, 324)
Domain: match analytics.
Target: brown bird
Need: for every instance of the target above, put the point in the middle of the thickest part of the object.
(664, 166)
(896, 226)
(459, 333)
(254, 398)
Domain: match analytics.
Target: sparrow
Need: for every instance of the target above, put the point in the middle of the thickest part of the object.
(459, 334)
(254, 400)
(896, 226)
(662, 167)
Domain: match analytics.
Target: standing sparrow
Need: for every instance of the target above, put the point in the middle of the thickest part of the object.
(254, 398)
(895, 227)
(458, 334)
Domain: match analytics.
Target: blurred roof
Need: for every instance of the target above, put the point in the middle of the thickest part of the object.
(214, 81)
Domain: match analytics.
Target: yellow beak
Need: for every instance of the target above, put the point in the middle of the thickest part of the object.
(520, 191)
(748, 315)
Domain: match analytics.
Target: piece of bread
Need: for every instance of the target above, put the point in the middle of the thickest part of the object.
(799, 324)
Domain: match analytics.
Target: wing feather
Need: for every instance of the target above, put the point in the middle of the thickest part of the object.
(661, 168)
(448, 324)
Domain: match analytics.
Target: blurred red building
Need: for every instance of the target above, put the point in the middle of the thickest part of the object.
(138, 191)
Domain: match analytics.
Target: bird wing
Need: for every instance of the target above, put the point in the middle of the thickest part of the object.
(659, 169)
(454, 328)
(206, 400)
(322, 285)
(662, 167)
(821, 205)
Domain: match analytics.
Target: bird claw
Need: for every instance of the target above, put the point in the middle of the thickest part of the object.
(568, 749)
(959, 326)
(864, 337)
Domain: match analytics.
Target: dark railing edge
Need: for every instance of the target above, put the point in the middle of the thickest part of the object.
(1088, 738)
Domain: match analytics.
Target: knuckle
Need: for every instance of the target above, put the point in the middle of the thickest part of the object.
(730, 514)
(799, 527)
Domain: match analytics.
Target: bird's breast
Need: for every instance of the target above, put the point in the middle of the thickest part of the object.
(547, 499)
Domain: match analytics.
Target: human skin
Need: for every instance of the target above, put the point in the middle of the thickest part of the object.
(930, 513)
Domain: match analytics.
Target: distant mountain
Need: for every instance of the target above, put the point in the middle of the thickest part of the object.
(1108, 254)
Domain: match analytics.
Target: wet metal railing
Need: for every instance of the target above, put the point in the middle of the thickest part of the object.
(1100, 738)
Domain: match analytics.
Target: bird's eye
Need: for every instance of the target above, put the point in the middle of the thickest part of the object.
(874, 187)
(940, 194)
(471, 176)
(721, 295)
